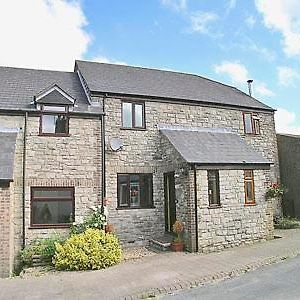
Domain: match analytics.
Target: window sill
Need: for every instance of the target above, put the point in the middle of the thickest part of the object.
(133, 128)
(250, 204)
(133, 208)
(252, 134)
(214, 206)
(54, 135)
(50, 226)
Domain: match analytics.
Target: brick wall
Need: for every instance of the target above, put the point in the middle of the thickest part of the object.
(5, 232)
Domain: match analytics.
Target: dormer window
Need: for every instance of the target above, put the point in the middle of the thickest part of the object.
(55, 105)
(251, 123)
(54, 120)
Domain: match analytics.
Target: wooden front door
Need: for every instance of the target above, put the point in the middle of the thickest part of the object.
(170, 203)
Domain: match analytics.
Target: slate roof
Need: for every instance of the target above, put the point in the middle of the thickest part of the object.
(7, 154)
(208, 146)
(120, 79)
(19, 86)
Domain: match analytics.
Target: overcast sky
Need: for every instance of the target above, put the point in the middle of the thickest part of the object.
(226, 40)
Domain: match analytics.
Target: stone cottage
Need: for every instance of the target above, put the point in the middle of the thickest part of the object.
(160, 145)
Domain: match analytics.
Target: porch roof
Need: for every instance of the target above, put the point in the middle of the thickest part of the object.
(7, 153)
(206, 146)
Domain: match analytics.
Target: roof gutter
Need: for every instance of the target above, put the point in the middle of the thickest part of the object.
(185, 101)
(21, 112)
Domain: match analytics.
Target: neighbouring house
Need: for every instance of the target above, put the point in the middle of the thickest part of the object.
(160, 145)
(289, 163)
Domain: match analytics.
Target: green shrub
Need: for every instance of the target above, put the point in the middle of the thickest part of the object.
(95, 220)
(287, 223)
(91, 250)
(45, 248)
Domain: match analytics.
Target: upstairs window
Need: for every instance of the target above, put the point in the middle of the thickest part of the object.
(249, 187)
(54, 120)
(251, 123)
(135, 191)
(213, 188)
(133, 115)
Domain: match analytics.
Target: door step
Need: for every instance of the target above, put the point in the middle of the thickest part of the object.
(162, 243)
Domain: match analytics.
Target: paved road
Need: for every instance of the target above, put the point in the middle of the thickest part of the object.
(279, 281)
(159, 273)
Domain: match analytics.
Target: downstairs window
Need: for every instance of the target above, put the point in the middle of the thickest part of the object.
(213, 188)
(249, 187)
(52, 207)
(135, 191)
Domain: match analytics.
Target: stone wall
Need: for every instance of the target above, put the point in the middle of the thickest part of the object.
(234, 223)
(76, 161)
(5, 231)
(143, 152)
(73, 161)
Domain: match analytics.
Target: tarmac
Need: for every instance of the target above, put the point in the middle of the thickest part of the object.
(154, 275)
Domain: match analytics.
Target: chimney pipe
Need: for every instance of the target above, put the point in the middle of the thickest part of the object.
(250, 87)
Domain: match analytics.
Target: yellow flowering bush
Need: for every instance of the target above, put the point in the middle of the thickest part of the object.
(91, 250)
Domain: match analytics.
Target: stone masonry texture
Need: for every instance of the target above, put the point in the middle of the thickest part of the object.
(72, 161)
(145, 151)
(75, 161)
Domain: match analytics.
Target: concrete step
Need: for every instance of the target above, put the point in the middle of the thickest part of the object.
(162, 243)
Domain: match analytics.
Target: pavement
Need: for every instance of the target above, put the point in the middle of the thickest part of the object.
(275, 282)
(154, 275)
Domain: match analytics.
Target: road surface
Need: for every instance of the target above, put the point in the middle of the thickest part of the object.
(277, 282)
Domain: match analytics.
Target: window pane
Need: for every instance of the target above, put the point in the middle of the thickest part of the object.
(213, 187)
(52, 212)
(256, 126)
(127, 114)
(248, 174)
(59, 193)
(139, 115)
(249, 191)
(54, 108)
(135, 191)
(248, 123)
(146, 190)
(48, 123)
(123, 191)
(54, 124)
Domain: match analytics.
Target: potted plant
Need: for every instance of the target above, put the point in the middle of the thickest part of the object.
(177, 245)
(109, 228)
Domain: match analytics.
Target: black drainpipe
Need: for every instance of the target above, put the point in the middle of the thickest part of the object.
(196, 207)
(103, 173)
(23, 175)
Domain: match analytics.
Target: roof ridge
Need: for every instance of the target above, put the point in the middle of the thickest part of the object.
(157, 69)
(177, 127)
(31, 69)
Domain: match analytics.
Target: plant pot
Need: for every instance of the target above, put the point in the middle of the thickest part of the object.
(177, 246)
(109, 228)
